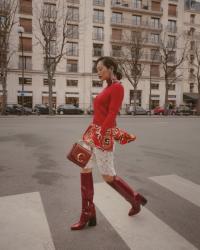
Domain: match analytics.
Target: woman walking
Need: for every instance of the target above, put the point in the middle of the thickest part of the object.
(100, 135)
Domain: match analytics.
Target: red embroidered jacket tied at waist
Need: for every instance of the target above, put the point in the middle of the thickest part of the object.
(94, 137)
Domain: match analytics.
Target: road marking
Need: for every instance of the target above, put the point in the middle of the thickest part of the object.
(180, 186)
(142, 232)
(23, 224)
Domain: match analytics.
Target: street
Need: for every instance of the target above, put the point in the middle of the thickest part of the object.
(35, 177)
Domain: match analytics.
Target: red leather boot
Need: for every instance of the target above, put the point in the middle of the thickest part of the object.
(135, 199)
(88, 215)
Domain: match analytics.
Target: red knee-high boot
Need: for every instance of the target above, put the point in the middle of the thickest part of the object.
(135, 199)
(88, 215)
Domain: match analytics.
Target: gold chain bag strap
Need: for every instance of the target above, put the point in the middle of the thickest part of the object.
(79, 154)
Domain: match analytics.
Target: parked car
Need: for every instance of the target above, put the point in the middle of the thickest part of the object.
(42, 109)
(183, 110)
(17, 109)
(69, 109)
(137, 111)
(158, 111)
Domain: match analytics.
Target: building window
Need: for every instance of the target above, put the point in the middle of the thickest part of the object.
(98, 16)
(155, 38)
(72, 49)
(116, 17)
(154, 70)
(171, 56)
(191, 87)
(155, 22)
(49, 10)
(192, 45)
(136, 20)
(172, 26)
(191, 59)
(116, 34)
(72, 83)
(46, 82)
(171, 72)
(25, 7)
(116, 50)
(26, 24)
(97, 84)
(171, 43)
(73, 13)
(171, 86)
(26, 42)
(98, 2)
(155, 55)
(155, 86)
(94, 67)
(192, 18)
(137, 4)
(50, 28)
(27, 81)
(25, 62)
(97, 49)
(72, 66)
(98, 33)
(72, 31)
(172, 10)
(155, 6)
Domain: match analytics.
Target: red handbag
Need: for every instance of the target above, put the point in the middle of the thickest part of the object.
(79, 155)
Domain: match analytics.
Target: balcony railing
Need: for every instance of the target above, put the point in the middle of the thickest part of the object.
(73, 1)
(131, 22)
(98, 52)
(135, 6)
(99, 2)
(97, 36)
(172, 29)
(96, 19)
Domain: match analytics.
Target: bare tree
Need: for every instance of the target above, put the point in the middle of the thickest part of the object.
(52, 37)
(155, 59)
(171, 61)
(130, 60)
(8, 10)
(196, 72)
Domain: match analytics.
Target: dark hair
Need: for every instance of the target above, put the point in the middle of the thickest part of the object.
(119, 75)
(110, 63)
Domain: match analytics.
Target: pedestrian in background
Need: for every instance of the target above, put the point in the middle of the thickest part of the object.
(100, 135)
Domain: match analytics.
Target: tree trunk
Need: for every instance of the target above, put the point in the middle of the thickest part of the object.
(198, 101)
(50, 81)
(4, 101)
(135, 98)
(166, 95)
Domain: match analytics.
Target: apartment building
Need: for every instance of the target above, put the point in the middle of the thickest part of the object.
(97, 28)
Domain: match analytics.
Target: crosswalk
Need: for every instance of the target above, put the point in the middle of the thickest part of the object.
(23, 219)
(23, 223)
(146, 231)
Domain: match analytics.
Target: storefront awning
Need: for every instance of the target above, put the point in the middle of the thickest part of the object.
(190, 96)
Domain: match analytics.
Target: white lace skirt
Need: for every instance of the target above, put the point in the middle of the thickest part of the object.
(104, 160)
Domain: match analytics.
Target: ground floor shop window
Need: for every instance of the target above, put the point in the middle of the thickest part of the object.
(27, 101)
(138, 99)
(155, 103)
(45, 100)
(72, 100)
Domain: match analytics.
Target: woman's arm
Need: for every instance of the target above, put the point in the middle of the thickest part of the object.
(117, 96)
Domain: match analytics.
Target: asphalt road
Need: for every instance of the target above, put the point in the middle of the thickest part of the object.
(33, 159)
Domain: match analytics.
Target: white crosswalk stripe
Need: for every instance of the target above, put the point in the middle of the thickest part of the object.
(23, 224)
(142, 232)
(180, 186)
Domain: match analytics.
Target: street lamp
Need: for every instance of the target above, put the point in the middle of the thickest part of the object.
(21, 31)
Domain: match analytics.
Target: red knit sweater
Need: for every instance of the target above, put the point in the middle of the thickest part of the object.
(107, 105)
